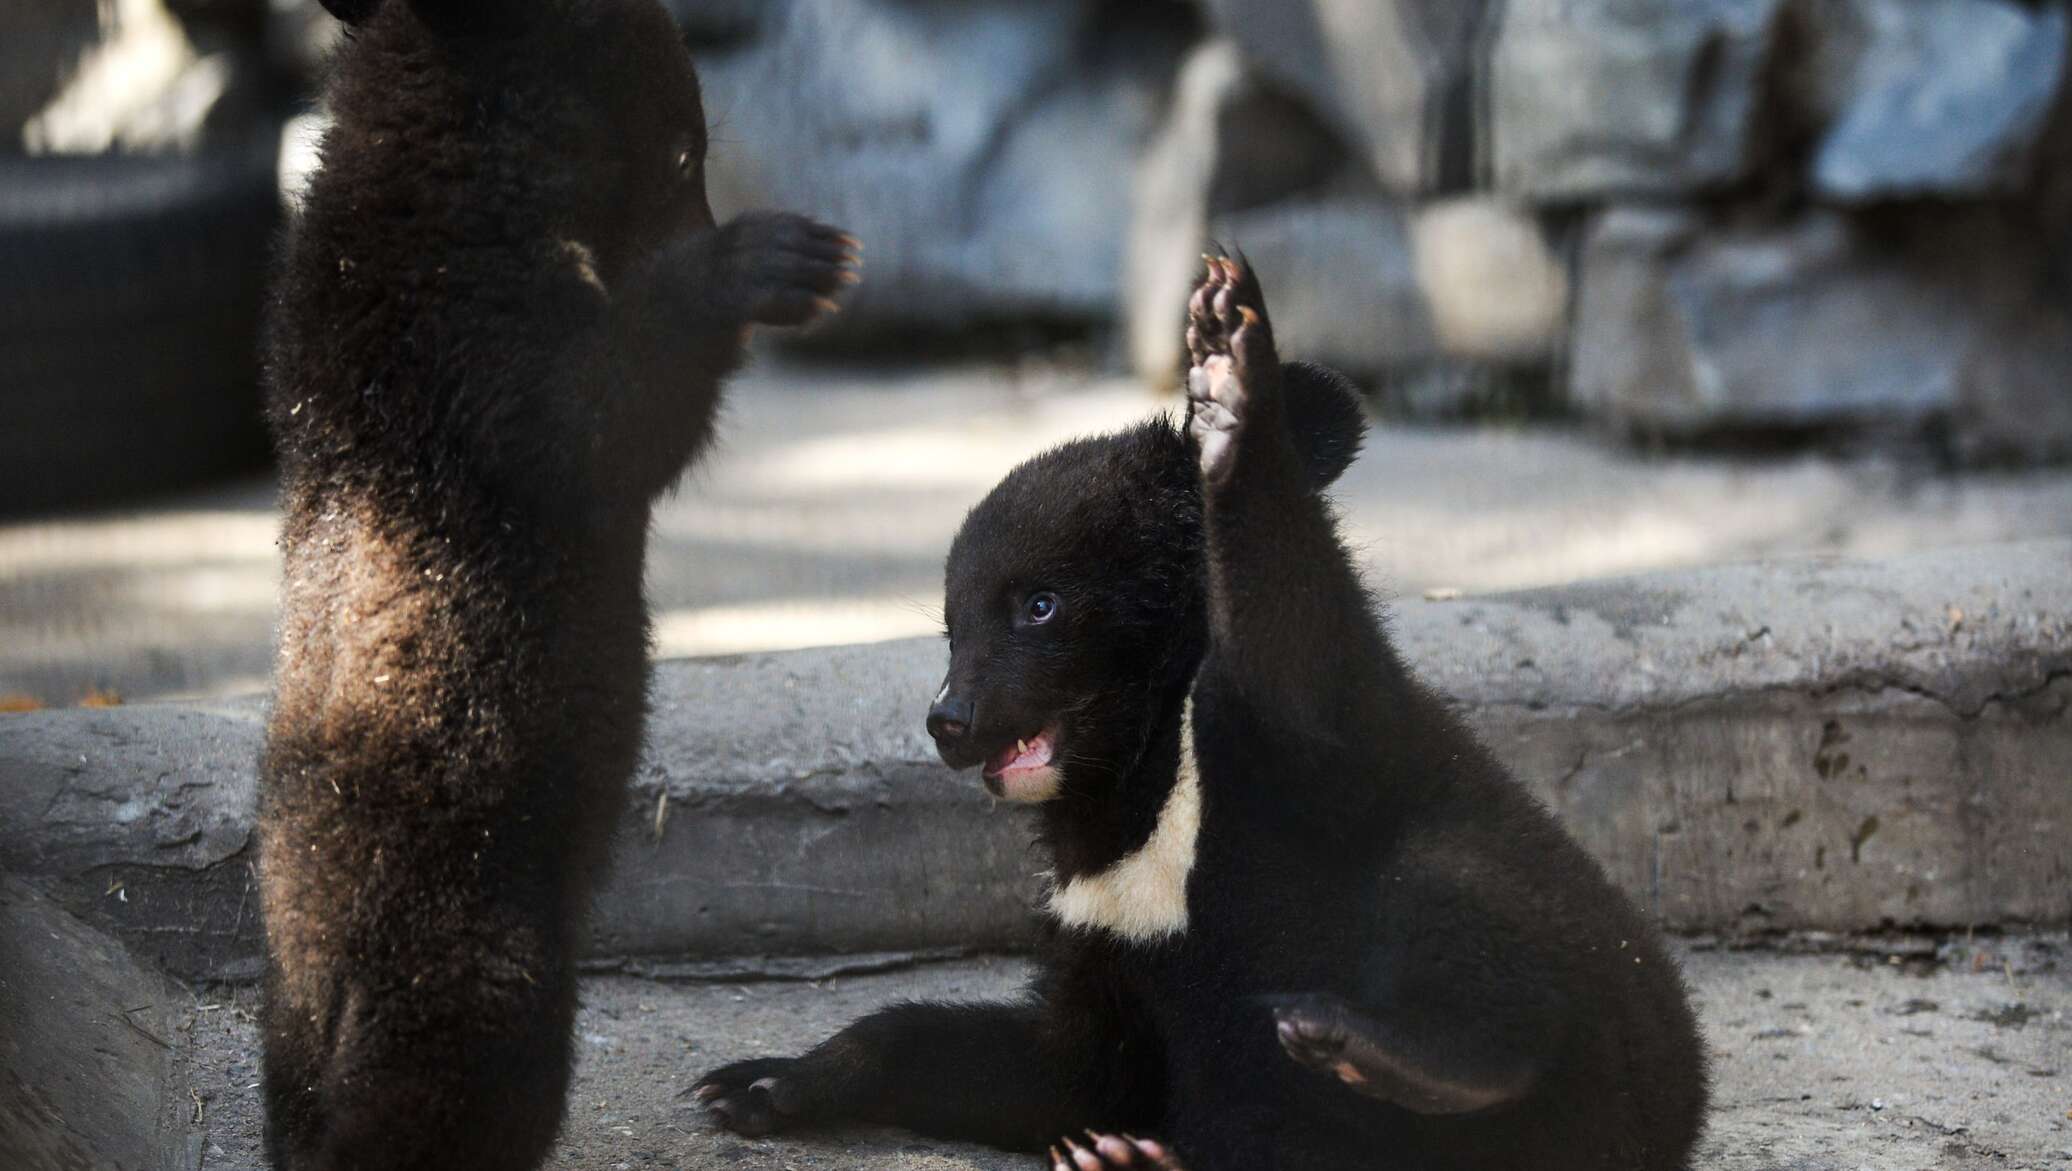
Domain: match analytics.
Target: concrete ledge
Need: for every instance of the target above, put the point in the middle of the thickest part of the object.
(1807, 745)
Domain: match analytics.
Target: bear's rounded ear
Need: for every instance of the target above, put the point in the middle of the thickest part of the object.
(1324, 417)
(351, 11)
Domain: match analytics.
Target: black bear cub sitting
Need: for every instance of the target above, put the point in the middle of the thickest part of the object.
(1302, 919)
(499, 332)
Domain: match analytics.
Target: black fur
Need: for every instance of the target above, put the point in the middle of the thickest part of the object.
(499, 331)
(351, 11)
(1392, 956)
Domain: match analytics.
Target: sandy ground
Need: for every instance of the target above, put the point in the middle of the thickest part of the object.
(824, 514)
(1900, 1061)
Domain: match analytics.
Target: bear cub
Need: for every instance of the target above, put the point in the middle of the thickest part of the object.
(1299, 917)
(499, 329)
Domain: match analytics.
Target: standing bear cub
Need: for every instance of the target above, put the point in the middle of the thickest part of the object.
(499, 331)
(1302, 919)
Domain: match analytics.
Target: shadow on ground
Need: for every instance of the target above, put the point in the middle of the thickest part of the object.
(1909, 1059)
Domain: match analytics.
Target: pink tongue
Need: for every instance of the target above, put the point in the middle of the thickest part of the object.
(1028, 754)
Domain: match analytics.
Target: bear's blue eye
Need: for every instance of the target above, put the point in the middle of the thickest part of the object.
(1042, 607)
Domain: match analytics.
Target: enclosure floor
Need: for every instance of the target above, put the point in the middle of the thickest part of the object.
(1823, 1062)
(823, 514)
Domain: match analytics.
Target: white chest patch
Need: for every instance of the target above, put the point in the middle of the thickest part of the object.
(1143, 896)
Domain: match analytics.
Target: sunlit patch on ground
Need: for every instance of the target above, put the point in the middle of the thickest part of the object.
(726, 630)
(823, 513)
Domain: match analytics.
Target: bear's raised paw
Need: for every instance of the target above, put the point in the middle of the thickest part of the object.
(1230, 345)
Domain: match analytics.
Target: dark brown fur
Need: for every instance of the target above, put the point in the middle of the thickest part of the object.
(500, 329)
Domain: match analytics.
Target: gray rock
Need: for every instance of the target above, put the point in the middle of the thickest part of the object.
(1228, 143)
(1341, 275)
(1684, 326)
(1391, 75)
(982, 151)
(2017, 404)
(1169, 220)
(1826, 745)
(1359, 279)
(91, 1048)
(1590, 99)
(149, 812)
(720, 23)
(1363, 283)
(1931, 97)
(1496, 290)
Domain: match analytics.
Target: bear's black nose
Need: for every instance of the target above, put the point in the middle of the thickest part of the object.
(949, 720)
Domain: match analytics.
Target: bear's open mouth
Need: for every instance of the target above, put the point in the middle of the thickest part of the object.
(1024, 755)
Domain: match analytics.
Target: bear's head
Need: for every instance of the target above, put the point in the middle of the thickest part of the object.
(1075, 599)
(575, 122)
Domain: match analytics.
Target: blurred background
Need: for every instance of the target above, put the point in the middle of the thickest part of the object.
(1629, 283)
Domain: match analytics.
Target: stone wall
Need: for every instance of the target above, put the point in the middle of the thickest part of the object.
(984, 151)
(1681, 218)
(1693, 217)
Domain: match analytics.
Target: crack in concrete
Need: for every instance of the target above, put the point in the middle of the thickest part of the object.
(1866, 682)
(1876, 683)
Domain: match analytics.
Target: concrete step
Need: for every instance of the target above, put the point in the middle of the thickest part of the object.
(1957, 1058)
(1828, 745)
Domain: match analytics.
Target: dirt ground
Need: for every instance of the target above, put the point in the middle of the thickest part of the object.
(1897, 1058)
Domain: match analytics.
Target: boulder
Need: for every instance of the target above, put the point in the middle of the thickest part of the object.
(1170, 214)
(91, 1047)
(1685, 326)
(982, 151)
(1366, 283)
(1341, 275)
(1391, 75)
(1589, 99)
(1229, 143)
(1928, 97)
(1377, 287)
(719, 23)
(1495, 289)
(1363, 279)
(2017, 405)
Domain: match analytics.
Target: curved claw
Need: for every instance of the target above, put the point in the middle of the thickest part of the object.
(753, 1097)
(1114, 1148)
(1106, 1152)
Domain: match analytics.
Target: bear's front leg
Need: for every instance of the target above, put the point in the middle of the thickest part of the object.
(1011, 1075)
(1289, 624)
(677, 325)
(761, 268)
